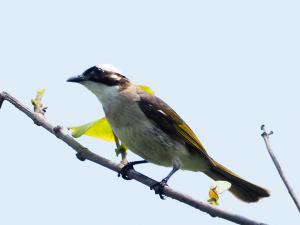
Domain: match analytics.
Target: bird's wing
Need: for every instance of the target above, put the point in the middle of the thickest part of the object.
(170, 122)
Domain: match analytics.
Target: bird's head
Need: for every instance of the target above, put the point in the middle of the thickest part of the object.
(103, 80)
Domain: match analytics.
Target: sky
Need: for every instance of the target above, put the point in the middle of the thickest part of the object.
(226, 67)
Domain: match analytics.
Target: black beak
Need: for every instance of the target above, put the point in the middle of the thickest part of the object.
(76, 79)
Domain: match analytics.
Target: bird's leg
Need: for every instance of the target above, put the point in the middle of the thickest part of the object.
(159, 186)
(129, 166)
(121, 149)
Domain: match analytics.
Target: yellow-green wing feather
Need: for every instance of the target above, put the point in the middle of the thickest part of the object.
(170, 122)
(184, 130)
(146, 89)
(190, 136)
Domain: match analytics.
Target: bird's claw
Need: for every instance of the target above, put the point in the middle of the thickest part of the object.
(129, 166)
(159, 188)
(123, 172)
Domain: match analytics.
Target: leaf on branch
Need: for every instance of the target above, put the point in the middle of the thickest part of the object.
(216, 189)
(37, 102)
(99, 129)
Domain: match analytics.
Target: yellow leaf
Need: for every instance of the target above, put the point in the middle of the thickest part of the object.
(213, 196)
(147, 89)
(40, 93)
(216, 189)
(100, 129)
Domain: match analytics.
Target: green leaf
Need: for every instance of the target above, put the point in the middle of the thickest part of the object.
(100, 129)
(37, 102)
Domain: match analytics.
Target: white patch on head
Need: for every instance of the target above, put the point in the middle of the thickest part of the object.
(109, 68)
(115, 77)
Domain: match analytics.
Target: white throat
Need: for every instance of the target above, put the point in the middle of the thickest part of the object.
(109, 96)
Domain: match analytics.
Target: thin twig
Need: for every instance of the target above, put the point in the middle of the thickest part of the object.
(266, 137)
(1, 99)
(87, 154)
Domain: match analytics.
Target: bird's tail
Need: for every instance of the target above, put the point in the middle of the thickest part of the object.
(241, 188)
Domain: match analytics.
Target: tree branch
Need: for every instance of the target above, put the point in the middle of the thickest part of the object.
(266, 137)
(84, 153)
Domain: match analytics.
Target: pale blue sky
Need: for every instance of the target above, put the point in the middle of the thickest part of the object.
(225, 66)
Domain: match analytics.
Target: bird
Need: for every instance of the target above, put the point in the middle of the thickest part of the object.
(150, 128)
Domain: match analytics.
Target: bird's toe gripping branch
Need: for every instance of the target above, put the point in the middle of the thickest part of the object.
(124, 171)
(129, 166)
(159, 188)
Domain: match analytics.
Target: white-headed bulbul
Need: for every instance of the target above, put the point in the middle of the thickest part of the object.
(153, 130)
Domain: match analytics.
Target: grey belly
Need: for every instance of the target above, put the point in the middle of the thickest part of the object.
(153, 145)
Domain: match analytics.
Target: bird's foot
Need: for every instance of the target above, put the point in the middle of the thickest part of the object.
(123, 172)
(159, 188)
(129, 166)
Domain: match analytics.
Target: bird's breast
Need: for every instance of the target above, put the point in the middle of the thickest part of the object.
(141, 136)
(145, 139)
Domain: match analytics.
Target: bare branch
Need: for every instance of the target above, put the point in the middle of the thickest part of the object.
(1, 100)
(85, 153)
(266, 137)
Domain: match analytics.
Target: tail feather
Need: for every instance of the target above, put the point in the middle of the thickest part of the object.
(241, 188)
